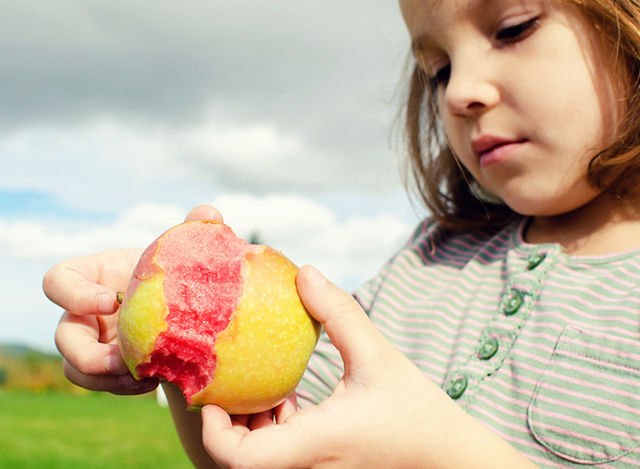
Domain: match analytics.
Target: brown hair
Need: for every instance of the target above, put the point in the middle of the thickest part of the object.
(448, 190)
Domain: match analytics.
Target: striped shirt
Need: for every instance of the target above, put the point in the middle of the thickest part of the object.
(542, 347)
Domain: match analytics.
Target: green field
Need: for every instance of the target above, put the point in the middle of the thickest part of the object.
(96, 430)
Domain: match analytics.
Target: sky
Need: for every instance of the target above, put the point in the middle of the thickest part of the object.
(116, 118)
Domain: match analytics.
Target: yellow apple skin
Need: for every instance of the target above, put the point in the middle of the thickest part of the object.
(261, 349)
(261, 357)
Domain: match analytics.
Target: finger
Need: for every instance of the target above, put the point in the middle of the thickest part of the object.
(77, 340)
(261, 420)
(116, 384)
(240, 420)
(287, 408)
(216, 423)
(73, 286)
(283, 446)
(345, 322)
(204, 212)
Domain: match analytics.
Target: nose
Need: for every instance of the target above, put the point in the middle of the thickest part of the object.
(471, 88)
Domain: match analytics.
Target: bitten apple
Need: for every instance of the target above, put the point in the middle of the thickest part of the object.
(217, 316)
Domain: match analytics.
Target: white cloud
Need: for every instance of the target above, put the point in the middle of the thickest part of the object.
(108, 163)
(149, 148)
(250, 144)
(347, 249)
(33, 239)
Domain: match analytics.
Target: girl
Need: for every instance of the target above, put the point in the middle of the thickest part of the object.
(506, 332)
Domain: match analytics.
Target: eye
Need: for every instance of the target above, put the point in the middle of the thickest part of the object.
(518, 32)
(441, 77)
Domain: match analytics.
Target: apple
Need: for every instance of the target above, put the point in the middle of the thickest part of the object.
(217, 316)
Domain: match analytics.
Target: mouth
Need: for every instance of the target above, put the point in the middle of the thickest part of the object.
(491, 149)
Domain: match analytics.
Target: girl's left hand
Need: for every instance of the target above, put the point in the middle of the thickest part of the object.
(383, 413)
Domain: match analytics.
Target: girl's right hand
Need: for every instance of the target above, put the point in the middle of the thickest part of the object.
(85, 287)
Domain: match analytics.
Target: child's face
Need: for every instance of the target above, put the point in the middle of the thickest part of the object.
(524, 93)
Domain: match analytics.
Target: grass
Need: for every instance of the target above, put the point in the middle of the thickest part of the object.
(96, 430)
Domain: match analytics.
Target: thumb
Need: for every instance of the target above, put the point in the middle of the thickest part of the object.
(204, 212)
(344, 320)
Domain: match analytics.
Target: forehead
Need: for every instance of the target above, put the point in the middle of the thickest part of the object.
(412, 8)
(418, 14)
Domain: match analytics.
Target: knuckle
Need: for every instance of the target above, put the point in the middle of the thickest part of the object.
(84, 365)
(76, 300)
(76, 363)
(347, 304)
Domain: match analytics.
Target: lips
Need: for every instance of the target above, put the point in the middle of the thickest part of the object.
(490, 149)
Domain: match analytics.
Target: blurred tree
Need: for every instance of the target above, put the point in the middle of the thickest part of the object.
(255, 238)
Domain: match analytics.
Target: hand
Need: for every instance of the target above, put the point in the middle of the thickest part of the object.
(383, 413)
(377, 412)
(87, 333)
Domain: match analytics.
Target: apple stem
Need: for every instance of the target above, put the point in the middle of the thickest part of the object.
(119, 297)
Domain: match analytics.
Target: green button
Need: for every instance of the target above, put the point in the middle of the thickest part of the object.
(535, 260)
(513, 303)
(488, 348)
(456, 387)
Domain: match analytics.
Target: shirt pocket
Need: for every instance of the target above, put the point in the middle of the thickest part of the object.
(586, 406)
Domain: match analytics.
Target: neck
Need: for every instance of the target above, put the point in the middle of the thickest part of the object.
(603, 226)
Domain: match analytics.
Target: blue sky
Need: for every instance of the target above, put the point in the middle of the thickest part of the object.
(19, 204)
(118, 117)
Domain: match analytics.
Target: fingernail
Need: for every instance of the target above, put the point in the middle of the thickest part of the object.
(315, 276)
(105, 303)
(114, 364)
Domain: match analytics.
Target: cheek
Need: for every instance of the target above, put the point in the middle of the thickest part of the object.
(582, 96)
(580, 122)
(457, 134)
